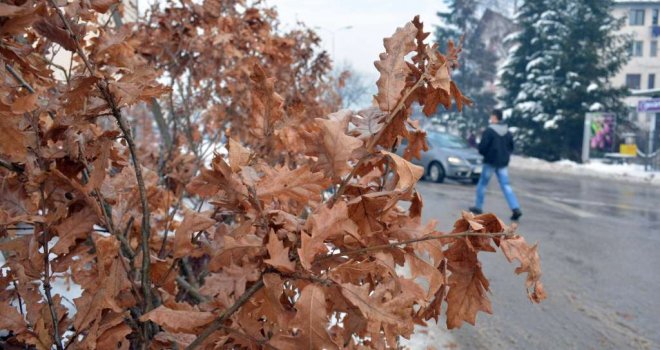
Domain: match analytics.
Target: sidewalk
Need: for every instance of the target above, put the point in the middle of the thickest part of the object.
(621, 172)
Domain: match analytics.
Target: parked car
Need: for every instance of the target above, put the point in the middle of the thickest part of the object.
(449, 156)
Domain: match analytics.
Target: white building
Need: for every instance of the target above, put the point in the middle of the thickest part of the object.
(642, 21)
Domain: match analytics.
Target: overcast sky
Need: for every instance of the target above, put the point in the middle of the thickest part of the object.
(369, 21)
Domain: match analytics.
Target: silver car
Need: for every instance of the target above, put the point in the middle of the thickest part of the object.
(449, 156)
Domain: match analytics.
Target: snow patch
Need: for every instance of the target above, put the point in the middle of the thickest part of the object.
(433, 336)
(595, 168)
(596, 107)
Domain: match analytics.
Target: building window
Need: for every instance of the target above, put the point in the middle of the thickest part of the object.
(654, 48)
(651, 81)
(656, 14)
(636, 18)
(634, 81)
(636, 49)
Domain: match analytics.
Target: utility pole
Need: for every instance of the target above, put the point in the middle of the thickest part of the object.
(332, 35)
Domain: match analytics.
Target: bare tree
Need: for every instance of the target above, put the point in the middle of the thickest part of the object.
(352, 86)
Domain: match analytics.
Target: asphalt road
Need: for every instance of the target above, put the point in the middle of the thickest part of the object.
(600, 255)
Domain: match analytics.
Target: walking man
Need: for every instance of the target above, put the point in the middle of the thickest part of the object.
(496, 146)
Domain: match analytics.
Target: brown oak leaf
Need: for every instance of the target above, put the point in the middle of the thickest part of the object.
(336, 148)
(177, 321)
(192, 222)
(392, 66)
(406, 173)
(530, 263)
(468, 286)
(279, 255)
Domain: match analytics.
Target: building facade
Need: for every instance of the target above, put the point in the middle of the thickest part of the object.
(642, 22)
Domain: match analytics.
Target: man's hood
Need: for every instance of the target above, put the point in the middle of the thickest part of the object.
(500, 129)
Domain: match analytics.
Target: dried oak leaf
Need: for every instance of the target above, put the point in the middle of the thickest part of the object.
(270, 305)
(77, 226)
(54, 33)
(267, 105)
(389, 305)
(239, 156)
(468, 286)
(103, 6)
(300, 185)
(311, 320)
(279, 255)
(7, 10)
(367, 122)
(219, 177)
(416, 145)
(13, 139)
(421, 268)
(459, 98)
(177, 321)
(10, 319)
(530, 263)
(24, 104)
(336, 148)
(441, 79)
(192, 222)
(325, 224)
(406, 174)
(392, 66)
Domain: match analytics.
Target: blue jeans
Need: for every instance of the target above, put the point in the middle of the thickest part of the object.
(503, 179)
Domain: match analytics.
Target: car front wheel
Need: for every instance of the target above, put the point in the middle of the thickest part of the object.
(436, 172)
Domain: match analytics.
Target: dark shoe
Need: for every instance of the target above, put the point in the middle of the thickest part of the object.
(475, 210)
(516, 215)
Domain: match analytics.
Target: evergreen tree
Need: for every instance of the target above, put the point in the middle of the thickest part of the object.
(476, 64)
(558, 69)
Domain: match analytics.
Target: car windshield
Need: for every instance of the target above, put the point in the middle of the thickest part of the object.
(447, 141)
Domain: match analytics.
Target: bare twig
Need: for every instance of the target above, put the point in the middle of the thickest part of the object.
(23, 83)
(47, 286)
(193, 291)
(125, 129)
(18, 78)
(411, 241)
(20, 300)
(50, 62)
(218, 322)
(10, 166)
(44, 229)
(161, 123)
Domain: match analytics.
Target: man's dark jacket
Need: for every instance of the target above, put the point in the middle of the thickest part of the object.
(496, 145)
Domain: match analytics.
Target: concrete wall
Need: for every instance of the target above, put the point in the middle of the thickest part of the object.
(646, 64)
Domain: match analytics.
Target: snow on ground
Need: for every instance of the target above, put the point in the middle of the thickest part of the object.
(595, 168)
(433, 337)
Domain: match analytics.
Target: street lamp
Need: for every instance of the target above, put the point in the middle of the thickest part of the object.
(332, 34)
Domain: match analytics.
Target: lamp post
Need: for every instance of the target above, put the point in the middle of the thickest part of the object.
(332, 34)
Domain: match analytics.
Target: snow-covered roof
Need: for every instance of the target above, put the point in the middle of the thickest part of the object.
(649, 92)
(637, 2)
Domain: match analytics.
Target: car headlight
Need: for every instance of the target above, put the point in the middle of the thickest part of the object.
(455, 160)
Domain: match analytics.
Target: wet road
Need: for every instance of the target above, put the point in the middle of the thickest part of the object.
(600, 254)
